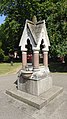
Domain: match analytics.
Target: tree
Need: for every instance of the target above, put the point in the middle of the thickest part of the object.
(1, 53)
(53, 11)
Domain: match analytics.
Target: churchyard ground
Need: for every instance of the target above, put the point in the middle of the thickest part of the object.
(6, 68)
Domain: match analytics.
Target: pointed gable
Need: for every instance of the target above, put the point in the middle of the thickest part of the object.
(35, 32)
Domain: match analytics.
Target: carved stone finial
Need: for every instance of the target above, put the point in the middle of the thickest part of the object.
(34, 19)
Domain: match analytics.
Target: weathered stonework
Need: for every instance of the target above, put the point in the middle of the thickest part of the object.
(35, 82)
(37, 79)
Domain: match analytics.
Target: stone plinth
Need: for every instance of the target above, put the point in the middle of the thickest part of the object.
(38, 82)
(35, 101)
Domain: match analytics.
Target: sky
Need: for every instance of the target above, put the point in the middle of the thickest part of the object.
(2, 18)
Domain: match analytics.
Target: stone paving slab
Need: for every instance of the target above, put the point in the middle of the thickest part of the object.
(35, 101)
(11, 108)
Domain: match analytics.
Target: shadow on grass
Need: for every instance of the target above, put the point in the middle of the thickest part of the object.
(58, 67)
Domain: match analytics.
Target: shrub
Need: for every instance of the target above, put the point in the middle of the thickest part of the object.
(1, 55)
(6, 58)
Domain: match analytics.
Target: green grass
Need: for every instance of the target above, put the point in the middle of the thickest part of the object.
(6, 68)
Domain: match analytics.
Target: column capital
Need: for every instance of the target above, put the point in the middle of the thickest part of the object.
(36, 50)
(24, 52)
(23, 49)
(45, 52)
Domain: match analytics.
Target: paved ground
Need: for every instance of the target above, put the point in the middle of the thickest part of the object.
(11, 108)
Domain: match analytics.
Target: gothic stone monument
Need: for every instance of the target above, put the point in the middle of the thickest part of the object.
(34, 79)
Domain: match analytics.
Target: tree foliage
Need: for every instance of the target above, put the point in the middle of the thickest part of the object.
(17, 11)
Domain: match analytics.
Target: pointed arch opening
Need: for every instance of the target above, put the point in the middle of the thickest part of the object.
(29, 51)
(41, 52)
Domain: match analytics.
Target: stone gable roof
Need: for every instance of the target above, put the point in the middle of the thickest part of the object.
(35, 32)
(35, 29)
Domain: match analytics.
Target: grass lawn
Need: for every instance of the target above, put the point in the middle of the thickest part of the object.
(6, 68)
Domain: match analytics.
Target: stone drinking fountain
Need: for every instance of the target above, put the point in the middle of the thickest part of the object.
(35, 78)
(34, 83)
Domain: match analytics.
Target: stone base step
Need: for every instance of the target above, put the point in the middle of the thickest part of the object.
(36, 101)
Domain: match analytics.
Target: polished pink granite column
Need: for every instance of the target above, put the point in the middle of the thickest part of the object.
(24, 59)
(36, 59)
(45, 58)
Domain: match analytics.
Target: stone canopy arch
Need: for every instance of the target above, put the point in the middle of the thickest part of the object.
(36, 80)
(36, 34)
